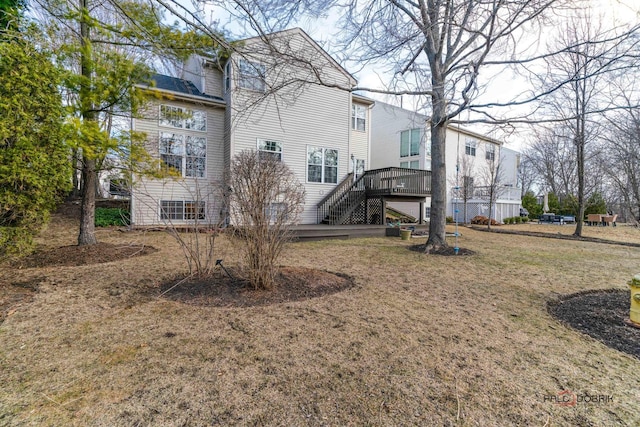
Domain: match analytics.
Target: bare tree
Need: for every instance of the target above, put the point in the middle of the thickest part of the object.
(621, 159)
(527, 177)
(463, 182)
(493, 177)
(265, 200)
(578, 102)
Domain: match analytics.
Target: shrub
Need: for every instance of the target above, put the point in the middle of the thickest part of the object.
(524, 219)
(518, 219)
(265, 201)
(449, 220)
(479, 219)
(111, 216)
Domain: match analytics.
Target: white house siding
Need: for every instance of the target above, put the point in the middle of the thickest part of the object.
(359, 140)
(213, 80)
(387, 124)
(389, 121)
(297, 115)
(148, 192)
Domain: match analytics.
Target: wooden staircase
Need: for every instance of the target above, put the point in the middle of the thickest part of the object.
(363, 201)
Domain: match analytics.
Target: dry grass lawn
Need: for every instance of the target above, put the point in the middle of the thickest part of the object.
(420, 340)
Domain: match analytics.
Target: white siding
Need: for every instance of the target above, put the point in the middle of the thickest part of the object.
(213, 81)
(387, 123)
(148, 192)
(359, 146)
(298, 115)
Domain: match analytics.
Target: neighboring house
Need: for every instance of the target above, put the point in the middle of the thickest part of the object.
(401, 138)
(297, 111)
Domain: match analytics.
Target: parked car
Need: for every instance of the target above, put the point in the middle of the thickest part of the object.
(524, 212)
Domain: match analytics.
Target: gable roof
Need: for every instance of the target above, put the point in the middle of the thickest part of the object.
(181, 88)
(311, 41)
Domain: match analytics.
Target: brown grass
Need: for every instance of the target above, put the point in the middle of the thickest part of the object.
(420, 340)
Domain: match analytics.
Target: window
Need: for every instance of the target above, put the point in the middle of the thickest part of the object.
(183, 118)
(196, 149)
(359, 167)
(322, 165)
(181, 210)
(186, 155)
(470, 147)
(491, 152)
(251, 75)
(358, 117)
(414, 164)
(270, 148)
(410, 143)
(227, 77)
(172, 151)
(427, 212)
(275, 210)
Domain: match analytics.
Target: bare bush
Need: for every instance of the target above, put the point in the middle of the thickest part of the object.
(192, 212)
(265, 200)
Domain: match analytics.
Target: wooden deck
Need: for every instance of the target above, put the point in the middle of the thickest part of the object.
(325, 232)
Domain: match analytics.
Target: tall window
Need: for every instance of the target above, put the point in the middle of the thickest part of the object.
(270, 148)
(410, 143)
(184, 151)
(490, 154)
(227, 77)
(251, 75)
(470, 147)
(358, 117)
(186, 155)
(181, 210)
(322, 165)
(359, 167)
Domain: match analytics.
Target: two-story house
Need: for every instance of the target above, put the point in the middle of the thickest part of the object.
(401, 138)
(286, 98)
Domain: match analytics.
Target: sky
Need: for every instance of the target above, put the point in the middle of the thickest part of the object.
(325, 31)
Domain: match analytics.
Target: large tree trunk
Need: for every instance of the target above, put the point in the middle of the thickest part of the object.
(438, 218)
(87, 235)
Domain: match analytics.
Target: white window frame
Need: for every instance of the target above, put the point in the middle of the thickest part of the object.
(410, 164)
(274, 209)
(252, 75)
(324, 167)
(182, 210)
(190, 150)
(490, 153)
(227, 77)
(270, 147)
(413, 142)
(182, 118)
(358, 117)
(470, 147)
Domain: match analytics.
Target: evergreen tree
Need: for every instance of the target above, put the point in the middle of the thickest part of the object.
(34, 168)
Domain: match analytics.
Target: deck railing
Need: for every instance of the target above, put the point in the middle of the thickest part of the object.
(378, 182)
(397, 181)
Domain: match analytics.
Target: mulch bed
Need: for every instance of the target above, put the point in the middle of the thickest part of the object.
(293, 284)
(71, 256)
(444, 251)
(602, 315)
